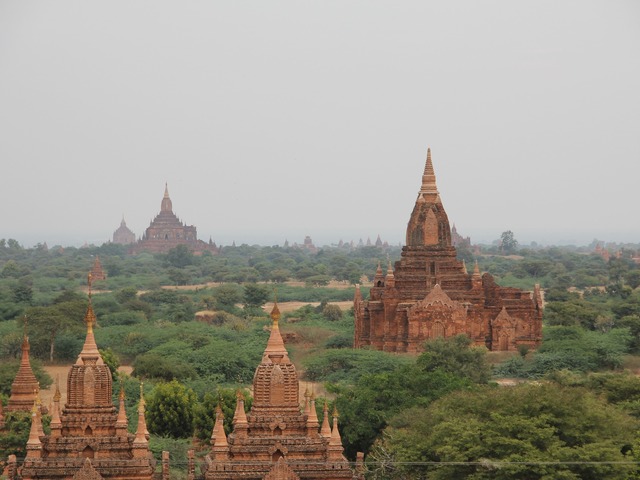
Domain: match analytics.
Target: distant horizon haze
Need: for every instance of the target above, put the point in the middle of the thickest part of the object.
(280, 119)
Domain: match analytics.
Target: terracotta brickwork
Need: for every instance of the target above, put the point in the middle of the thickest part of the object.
(89, 438)
(276, 440)
(166, 231)
(430, 294)
(25, 385)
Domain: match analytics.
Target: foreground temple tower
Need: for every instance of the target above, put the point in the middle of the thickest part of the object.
(89, 438)
(166, 231)
(430, 294)
(25, 386)
(276, 440)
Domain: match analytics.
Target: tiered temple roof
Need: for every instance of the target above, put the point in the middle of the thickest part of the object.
(25, 385)
(166, 231)
(88, 427)
(276, 440)
(397, 317)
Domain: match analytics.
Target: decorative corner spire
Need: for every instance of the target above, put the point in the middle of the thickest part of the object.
(476, 270)
(34, 446)
(218, 437)
(239, 416)
(464, 267)
(325, 431)
(141, 439)
(307, 395)
(312, 418)
(335, 441)
(121, 421)
(56, 424)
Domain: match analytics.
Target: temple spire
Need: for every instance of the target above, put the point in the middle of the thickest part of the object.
(25, 383)
(312, 416)
(141, 432)
(34, 445)
(90, 351)
(275, 345)
(121, 422)
(428, 188)
(325, 431)
(56, 424)
(335, 441)
(166, 205)
(239, 416)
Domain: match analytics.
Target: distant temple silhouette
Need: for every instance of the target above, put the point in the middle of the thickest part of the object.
(429, 293)
(166, 231)
(123, 235)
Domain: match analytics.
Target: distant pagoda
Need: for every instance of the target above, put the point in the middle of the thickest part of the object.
(123, 235)
(428, 293)
(97, 272)
(166, 231)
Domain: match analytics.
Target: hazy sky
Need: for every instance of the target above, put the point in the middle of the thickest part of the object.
(272, 120)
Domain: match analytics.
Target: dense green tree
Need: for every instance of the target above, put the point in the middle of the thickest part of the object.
(111, 359)
(255, 296)
(508, 242)
(170, 410)
(456, 355)
(530, 432)
(366, 408)
(180, 256)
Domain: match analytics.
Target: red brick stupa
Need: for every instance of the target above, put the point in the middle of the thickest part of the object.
(429, 293)
(276, 440)
(89, 438)
(25, 385)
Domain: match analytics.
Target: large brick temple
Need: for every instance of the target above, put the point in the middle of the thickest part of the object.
(276, 440)
(166, 231)
(88, 438)
(430, 294)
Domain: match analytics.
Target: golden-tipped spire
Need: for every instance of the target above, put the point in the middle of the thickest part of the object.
(275, 345)
(335, 441)
(89, 351)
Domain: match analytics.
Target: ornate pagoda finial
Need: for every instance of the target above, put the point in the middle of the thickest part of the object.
(429, 179)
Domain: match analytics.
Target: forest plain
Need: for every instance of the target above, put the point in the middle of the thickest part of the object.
(193, 328)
